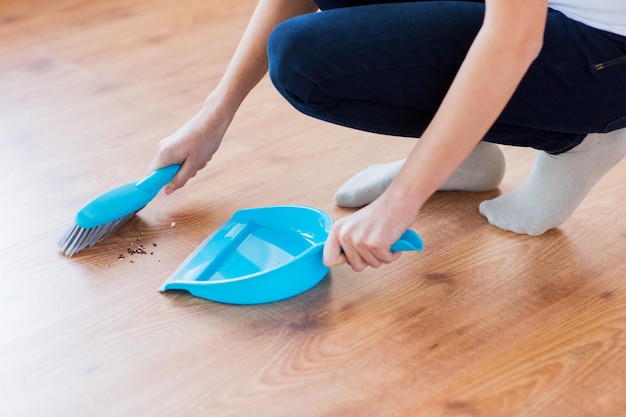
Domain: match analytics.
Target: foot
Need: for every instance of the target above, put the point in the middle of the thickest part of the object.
(481, 171)
(556, 185)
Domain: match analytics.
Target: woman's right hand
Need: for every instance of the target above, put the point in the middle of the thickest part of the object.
(193, 144)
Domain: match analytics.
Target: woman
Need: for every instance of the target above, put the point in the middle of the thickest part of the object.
(453, 73)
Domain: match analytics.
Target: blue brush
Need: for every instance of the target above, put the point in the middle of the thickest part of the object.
(107, 212)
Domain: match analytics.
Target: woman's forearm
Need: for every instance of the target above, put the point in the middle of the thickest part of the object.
(195, 143)
(249, 63)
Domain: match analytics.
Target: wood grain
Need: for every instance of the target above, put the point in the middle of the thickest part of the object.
(482, 323)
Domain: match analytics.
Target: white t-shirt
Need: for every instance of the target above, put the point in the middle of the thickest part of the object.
(607, 15)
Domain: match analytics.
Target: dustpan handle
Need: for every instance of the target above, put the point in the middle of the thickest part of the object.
(408, 241)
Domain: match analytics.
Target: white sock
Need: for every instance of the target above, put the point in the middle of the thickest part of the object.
(481, 171)
(556, 185)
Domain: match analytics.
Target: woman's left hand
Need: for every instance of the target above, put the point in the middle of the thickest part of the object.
(364, 238)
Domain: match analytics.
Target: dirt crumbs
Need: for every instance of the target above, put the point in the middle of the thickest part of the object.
(137, 248)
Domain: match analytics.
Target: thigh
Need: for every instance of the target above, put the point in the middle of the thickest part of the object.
(401, 54)
(336, 4)
(577, 84)
(386, 68)
(383, 68)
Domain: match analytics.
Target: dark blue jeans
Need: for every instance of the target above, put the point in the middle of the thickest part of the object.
(385, 68)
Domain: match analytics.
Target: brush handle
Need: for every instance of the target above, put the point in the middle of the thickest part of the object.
(125, 200)
(158, 179)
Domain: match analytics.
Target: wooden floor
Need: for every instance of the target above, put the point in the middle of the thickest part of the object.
(482, 323)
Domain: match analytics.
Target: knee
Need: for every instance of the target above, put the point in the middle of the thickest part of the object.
(290, 58)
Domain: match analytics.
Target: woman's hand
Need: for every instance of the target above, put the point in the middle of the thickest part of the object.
(193, 145)
(364, 238)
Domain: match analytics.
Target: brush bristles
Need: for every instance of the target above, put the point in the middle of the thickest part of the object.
(77, 238)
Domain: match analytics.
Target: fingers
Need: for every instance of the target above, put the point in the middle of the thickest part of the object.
(364, 254)
(163, 158)
(333, 254)
(155, 164)
(191, 160)
(179, 180)
(188, 170)
(341, 247)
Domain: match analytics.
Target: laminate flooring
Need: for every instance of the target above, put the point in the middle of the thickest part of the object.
(481, 323)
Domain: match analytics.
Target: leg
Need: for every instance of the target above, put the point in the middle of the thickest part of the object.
(385, 69)
(382, 68)
(482, 171)
(556, 186)
(581, 72)
(402, 60)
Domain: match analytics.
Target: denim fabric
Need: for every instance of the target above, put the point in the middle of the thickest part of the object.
(385, 67)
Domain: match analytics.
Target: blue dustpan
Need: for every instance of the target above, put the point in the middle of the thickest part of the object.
(262, 255)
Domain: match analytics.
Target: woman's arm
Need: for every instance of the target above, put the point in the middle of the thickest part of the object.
(196, 141)
(249, 63)
(508, 42)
